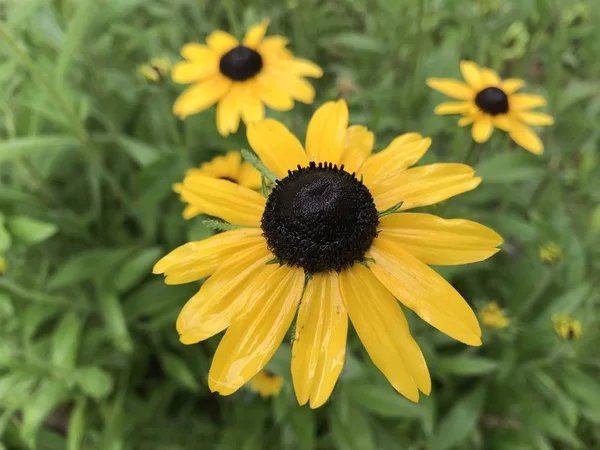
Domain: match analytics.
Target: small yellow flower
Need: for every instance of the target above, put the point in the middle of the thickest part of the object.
(567, 327)
(550, 252)
(229, 167)
(156, 70)
(3, 265)
(486, 101)
(493, 317)
(242, 77)
(266, 384)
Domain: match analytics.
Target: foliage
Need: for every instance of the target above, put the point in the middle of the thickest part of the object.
(89, 357)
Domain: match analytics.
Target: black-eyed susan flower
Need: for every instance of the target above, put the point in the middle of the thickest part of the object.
(567, 327)
(550, 252)
(333, 241)
(486, 102)
(266, 384)
(230, 168)
(242, 77)
(493, 316)
(156, 70)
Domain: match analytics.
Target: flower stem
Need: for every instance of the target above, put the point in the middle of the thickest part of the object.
(233, 22)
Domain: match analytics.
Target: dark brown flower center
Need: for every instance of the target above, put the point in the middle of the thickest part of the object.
(492, 100)
(240, 63)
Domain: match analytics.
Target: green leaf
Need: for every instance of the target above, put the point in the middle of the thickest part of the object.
(5, 238)
(76, 428)
(466, 365)
(568, 302)
(356, 42)
(258, 165)
(94, 382)
(199, 231)
(353, 433)
(220, 225)
(509, 167)
(136, 268)
(383, 401)
(49, 395)
(114, 321)
(460, 421)
(175, 367)
(66, 340)
(141, 152)
(583, 387)
(304, 426)
(30, 231)
(35, 145)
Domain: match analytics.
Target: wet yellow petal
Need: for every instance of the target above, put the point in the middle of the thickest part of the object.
(255, 34)
(423, 186)
(403, 152)
(470, 72)
(451, 88)
(326, 132)
(272, 95)
(358, 145)
(221, 198)
(482, 129)
(383, 330)
(229, 110)
(535, 118)
(225, 295)
(320, 340)
(438, 241)
(196, 260)
(221, 42)
(526, 138)
(452, 108)
(522, 102)
(253, 338)
(421, 289)
(252, 108)
(277, 148)
(190, 72)
(489, 77)
(512, 85)
(200, 96)
(197, 52)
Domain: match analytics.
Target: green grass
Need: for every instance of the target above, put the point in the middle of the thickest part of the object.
(89, 358)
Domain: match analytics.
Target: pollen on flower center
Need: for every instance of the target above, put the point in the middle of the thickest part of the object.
(492, 100)
(320, 218)
(240, 63)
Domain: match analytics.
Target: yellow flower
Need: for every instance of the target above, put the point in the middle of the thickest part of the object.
(486, 101)
(550, 252)
(493, 317)
(331, 241)
(242, 77)
(266, 384)
(157, 69)
(229, 167)
(567, 327)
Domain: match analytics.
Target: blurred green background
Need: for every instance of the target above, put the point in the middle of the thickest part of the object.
(89, 149)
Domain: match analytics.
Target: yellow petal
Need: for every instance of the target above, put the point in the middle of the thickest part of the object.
(358, 145)
(502, 121)
(451, 88)
(196, 260)
(438, 241)
(277, 148)
(482, 129)
(489, 77)
(383, 330)
(221, 198)
(189, 212)
(535, 118)
(423, 186)
(229, 110)
(326, 132)
(252, 108)
(272, 95)
(221, 42)
(248, 176)
(191, 72)
(224, 295)
(255, 34)
(300, 67)
(403, 152)
(470, 72)
(452, 108)
(253, 338)
(522, 102)
(512, 85)
(464, 121)
(197, 53)
(320, 340)
(272, 45)
(421, 289)
(296, 87)
(201, 96)
(526, 138)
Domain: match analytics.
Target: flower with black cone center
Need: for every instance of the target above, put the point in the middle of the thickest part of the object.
(320, 218)
(240, 63)
(492, 100)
